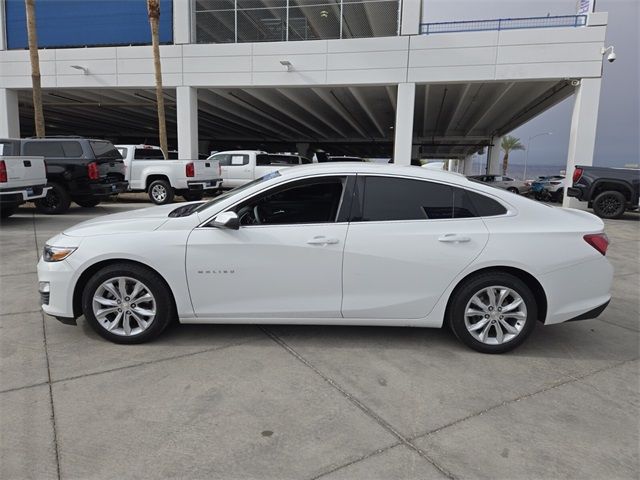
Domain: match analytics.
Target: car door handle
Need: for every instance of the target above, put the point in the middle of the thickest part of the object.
(453, 238)
(320, 240)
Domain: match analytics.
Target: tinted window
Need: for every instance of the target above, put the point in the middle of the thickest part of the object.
(283, 160)
(148, 154)
(72, 149)
(485, 206)
(44, 149)
(305, 160)
(103, 149)
(315, 201)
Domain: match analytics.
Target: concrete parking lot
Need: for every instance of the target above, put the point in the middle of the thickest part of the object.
(312, 402)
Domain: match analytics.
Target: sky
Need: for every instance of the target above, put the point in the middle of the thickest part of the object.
(618, 134)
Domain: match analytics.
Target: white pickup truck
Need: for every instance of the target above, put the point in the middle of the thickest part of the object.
(242, 166)
(22, 179)
(148, 171)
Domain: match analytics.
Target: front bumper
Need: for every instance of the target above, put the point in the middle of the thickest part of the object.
(23, 194)
(59, 278)
(202, 185)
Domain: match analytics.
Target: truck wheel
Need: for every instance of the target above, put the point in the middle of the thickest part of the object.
(57, 200)
(87, 202)
(610, 204)
(7, 210)
(160, 192)
(559, 195)
(192, 196)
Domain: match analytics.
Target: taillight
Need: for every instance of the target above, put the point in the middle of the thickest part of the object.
(190, 170)
(92, 171)
(3, 172)
(577, 173)
(599, 241)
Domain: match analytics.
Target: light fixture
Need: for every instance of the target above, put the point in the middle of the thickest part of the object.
(287, 65)
(85, 70)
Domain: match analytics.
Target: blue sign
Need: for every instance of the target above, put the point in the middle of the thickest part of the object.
(87, 23)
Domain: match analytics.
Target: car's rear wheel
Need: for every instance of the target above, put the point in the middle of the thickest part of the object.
(610, 204)
(160, 192)
(493, 312)
(513, 190)
(127, 303)
(57, 200)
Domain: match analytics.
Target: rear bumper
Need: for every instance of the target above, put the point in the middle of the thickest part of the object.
(591, 313)
(202, 185)
(106, 189)
(22, 194)
(575, 192)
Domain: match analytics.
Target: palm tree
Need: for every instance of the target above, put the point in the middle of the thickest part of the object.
(508, 144)
(153, 9)
(36, 86)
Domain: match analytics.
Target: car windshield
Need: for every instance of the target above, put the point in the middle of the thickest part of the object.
(230, 193)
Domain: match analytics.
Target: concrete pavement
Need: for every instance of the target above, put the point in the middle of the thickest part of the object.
(303, 402)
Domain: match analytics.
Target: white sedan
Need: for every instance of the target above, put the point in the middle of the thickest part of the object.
(335, 244)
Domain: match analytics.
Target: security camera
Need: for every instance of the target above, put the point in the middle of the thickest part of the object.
(612, 54)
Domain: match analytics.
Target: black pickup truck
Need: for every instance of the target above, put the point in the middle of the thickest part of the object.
(609, 191)
(79, 169)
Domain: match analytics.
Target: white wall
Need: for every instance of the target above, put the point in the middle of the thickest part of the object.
(473, 56)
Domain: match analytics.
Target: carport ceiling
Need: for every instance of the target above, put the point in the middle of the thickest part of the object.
(450, 119)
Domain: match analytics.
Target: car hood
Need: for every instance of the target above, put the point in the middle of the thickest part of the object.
(141, 220)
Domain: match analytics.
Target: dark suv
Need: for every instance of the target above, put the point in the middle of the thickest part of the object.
(82, 170)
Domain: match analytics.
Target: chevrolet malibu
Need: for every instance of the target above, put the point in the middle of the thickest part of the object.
(335, 244)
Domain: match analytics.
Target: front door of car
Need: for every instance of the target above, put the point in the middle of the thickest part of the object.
(285, 260)
(407, 241)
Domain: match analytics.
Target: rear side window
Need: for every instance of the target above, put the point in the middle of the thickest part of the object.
(223, 158)
(485, 206)
(385, 199)
(104, 150)
(283, 159)
(44, 149)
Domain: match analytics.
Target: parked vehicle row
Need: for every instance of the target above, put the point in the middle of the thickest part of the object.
(335, 244)
(500, 181)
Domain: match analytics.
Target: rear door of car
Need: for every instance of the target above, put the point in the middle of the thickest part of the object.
(407, 240)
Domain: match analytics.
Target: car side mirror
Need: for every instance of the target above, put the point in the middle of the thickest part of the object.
(227, 220)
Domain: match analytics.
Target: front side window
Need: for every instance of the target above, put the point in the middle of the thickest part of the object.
(305, 201)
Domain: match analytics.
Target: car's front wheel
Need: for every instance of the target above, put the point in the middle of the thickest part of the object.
(513, 190)
(493, 312)
(127, 303)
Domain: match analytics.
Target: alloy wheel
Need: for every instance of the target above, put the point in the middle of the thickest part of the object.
(609, 205)
(124, 306)
(159, 193)
(495, 315)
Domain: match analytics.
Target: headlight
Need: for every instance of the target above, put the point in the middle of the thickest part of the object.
(56, 254)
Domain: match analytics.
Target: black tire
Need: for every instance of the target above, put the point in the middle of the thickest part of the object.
(156, 286)
(513, 190)
(609, 204)
(471, 287)
(558, 196)
(7, 210)
(160, 192)
(56, 202)
(87, 202)
(192, 196)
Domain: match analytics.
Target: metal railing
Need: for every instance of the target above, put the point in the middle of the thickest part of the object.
(240, 21)
(504, 24)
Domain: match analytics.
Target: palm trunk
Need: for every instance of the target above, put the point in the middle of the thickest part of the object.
(505, 163)
(35, 68)
(153, 7)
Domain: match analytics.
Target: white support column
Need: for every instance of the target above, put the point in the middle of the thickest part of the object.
(494, 160)
(9, 114)
(468, 165)
(411, 15)
(182, 19)
(404, 124)
(582, 139)
(187, 116)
